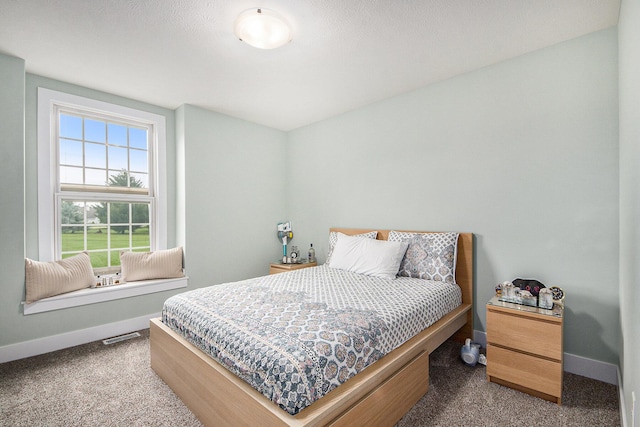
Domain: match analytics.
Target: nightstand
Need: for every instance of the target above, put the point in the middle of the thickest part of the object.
(524, 348)
(278, 267)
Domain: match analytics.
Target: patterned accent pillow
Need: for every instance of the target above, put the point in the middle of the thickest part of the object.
(164, 264)
(333, 238)
(430, 256)
(47, 279)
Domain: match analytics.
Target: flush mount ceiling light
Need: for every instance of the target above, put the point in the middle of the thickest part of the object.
(262, 28)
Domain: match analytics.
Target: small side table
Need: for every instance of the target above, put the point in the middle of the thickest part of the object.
(524, 348)
(278, 267)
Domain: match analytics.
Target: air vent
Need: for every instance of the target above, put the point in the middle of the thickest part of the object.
(125, 337)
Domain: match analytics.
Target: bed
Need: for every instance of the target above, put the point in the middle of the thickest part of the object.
(378, 395)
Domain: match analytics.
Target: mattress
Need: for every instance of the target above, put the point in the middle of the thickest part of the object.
(296, 336)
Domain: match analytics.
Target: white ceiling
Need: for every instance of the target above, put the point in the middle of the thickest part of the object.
(344, 53)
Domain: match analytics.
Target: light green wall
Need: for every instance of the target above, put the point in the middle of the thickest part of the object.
(12, 79)
(629, 52)
(233, 195)
(524, 154)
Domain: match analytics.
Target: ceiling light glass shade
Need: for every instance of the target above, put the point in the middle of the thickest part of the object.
(262, 28)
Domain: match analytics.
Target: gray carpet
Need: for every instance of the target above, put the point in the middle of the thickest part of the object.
(98, 385)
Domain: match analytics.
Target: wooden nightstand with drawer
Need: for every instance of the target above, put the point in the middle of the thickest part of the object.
(524, 348)
(278, 267)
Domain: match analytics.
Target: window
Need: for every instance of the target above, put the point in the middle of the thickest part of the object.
(101, 188)
(104, 200)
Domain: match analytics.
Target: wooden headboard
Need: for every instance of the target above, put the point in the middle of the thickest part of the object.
(464, 269)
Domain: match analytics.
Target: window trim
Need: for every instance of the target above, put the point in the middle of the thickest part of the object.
(47, 162)
(47, 182)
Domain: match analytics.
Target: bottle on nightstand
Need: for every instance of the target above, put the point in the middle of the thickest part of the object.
(312, 254)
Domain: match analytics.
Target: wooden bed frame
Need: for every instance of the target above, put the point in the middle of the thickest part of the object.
(380, 395)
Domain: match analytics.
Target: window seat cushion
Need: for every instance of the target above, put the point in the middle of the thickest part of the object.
(46, 279)
(164, 264)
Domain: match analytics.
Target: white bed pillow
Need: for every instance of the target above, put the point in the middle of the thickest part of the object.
(378, 258)
(47, 279)
(333, 238)
(164, 264)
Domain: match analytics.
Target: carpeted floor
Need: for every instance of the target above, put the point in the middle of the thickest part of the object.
(98, 385)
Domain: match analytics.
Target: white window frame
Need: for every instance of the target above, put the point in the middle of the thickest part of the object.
(48, 186)
(48, 160)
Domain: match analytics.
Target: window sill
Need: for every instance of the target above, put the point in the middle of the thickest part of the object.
(109, 293)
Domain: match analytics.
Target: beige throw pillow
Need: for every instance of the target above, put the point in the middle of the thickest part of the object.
(166, 264)
(46, 279)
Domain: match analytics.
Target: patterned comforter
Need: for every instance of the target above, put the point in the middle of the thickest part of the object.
(296, 336)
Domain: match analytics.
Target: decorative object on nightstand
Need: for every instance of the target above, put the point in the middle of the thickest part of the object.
(529, 292)
(312, 254)
(285, 235)
(558, 295)
(294, 255)
(500, 287)
(508, 291)
(525, 348)
(545, 298)
(531, 285)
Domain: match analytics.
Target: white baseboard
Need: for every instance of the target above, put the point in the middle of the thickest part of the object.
(590, 368)
(70, 339)
(601, 371)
